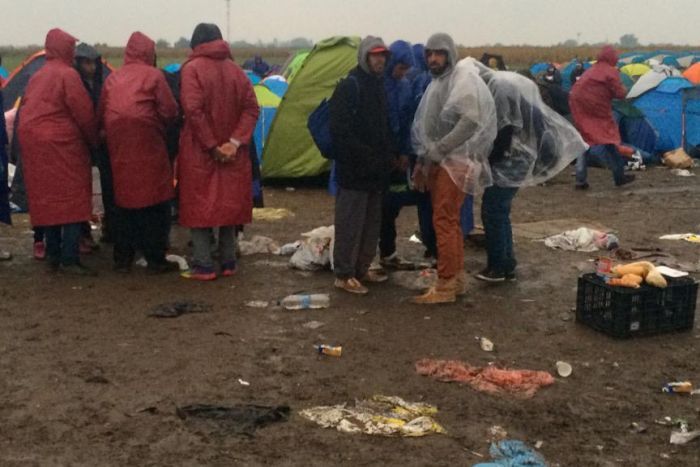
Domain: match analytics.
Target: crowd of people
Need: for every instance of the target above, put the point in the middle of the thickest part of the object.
(412, 125)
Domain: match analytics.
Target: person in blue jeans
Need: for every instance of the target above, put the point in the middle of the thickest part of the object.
(601, 155)
(533, 144)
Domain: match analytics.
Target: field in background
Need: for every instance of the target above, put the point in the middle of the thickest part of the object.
(516, 57)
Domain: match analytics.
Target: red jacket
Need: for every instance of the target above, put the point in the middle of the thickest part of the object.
(135, 108)
(57, 128)
(219, 104)
(591, 100)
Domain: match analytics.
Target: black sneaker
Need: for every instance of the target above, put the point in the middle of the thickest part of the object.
(510, 276)
(161, 268)
(628, 178)
(582, 186)
(489, 275)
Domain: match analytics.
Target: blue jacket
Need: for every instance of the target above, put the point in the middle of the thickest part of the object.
(419, 76)
(400, 99)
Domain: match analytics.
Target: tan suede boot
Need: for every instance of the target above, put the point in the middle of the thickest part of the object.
(461, 285)
(445, 291)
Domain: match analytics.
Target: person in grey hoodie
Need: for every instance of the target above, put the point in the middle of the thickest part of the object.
(453, 131)
(364, 156)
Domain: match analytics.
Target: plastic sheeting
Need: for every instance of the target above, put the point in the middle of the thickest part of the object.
(380, 415)
(544, 143)
(455, 126)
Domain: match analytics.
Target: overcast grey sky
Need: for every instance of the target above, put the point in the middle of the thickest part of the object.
(471, 22)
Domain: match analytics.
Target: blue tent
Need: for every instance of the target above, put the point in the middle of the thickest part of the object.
(4, 74)
(635, 129)
(539, 68)
(665, 109)
(172, 67)
(255, 79)
(672, 61)
(567, 71)
(267, 113)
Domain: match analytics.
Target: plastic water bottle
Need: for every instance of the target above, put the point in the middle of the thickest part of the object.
(305, 302)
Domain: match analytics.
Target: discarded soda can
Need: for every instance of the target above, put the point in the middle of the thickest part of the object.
(680, 387)
(485, 344)
(564, 369)
(329, 350)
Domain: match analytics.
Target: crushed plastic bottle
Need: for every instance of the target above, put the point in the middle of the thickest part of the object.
(305, 302)
(329, 350)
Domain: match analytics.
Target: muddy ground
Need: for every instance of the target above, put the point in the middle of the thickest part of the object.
(80, 360)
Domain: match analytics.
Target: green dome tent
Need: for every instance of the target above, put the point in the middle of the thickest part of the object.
(290, 152)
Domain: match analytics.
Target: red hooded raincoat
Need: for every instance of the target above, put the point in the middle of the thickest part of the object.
(219, 104)
(135, 109)
(591, 100)
(56, 130)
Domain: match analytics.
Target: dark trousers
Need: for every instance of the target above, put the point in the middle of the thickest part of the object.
(495, 214)
(358, 217)
(143, 229)
(391, 208)
(603, 155)
(62, 243)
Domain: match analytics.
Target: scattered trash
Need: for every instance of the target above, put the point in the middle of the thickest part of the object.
(485, 344)
(682, 172)
(582, 239)
(271, 214)
(141, 262)
(638, 427)
(565, 316)
(683, 387)
(5, 255)
(564, 369)
(175, 309)
(239, 419)
(518, 383)
(316, 251)
(181, 262)
(677, 159)
(681, 423)
(380, 415)
(539, 444)
(670, 272)
(289, 249)
(305, 302)
(636, 162)
(97, 379)
(257, 304)
(243, 383)
(415, 280)
(680, 437)
(258, 244)
(329, 350)
(313, 325)
(497, 433)
(513, 453)
(290, 189)
(414, 239)
(688, 237)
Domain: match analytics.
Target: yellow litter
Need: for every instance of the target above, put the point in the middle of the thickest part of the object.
(380, 415)
(271, 214)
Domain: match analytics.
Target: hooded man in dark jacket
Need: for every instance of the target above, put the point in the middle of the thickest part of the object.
(400, 100)
(93, 73)
(364, 158)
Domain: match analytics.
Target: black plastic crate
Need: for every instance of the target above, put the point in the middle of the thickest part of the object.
(623, 312)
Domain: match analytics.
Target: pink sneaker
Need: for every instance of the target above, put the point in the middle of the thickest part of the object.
(39, 251)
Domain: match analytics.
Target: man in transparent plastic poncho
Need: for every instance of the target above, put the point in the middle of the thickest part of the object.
(452, 134)
(534, 143)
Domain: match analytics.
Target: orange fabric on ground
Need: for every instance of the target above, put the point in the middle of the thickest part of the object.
(447, 200)
(519, 383)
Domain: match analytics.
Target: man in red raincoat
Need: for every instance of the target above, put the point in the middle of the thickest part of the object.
(136, 108)
(214, 169)
(57, 129)
(591, 107)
